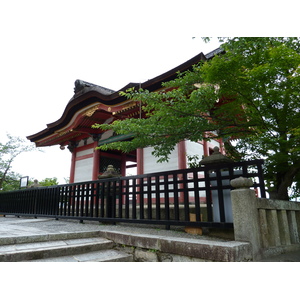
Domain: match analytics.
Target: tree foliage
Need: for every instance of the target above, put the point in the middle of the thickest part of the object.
(14, 146)
(11, 182)
(49, 181)
(248, 94)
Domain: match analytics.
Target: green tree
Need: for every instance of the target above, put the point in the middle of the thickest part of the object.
(248, 95)
(49, 181)
(11, 182)
(8, 152)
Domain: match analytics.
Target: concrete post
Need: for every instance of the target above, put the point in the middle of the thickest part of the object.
(245, 214)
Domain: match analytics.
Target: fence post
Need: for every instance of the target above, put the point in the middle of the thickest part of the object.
(245, 214)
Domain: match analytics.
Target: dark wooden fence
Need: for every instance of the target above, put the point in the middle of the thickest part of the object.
(167, 198)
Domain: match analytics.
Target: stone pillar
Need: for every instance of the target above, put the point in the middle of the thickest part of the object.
(245, 214)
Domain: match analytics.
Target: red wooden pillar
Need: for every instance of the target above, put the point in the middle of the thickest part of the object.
(181, 165)
(222, 149)
(181, 155)
(123, 164)
(72, 169)
(140, 161)
(205, 148)
(139, 168)
(96, 161)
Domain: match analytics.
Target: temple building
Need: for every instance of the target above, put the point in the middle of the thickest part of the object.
(92, 104)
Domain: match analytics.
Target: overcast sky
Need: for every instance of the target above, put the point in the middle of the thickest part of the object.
(47, 45)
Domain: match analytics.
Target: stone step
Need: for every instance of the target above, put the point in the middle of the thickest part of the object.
(95, 256)
(47, 237)
(46, 249)
(204, 249)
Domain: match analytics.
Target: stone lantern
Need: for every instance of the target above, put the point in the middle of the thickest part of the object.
(109, 173)
(109, 205)
(217, 158)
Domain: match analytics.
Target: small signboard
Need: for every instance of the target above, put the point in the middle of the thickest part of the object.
(24, 182)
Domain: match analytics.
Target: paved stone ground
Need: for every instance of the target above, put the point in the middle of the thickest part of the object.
(11, 226)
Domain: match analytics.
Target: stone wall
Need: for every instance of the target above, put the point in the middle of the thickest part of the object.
(154, 255)
(271, 226)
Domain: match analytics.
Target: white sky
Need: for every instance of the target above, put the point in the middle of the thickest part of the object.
(47, 45)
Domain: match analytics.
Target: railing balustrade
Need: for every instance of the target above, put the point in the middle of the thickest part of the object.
(165, 198)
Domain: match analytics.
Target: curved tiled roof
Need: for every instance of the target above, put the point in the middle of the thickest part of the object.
(87, 95)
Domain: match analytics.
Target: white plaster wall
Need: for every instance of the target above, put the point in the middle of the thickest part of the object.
(214, 143)
(107, 134)
(151, 165)
(83, 170)
(85, 152)
(89, 141)
(193, 148)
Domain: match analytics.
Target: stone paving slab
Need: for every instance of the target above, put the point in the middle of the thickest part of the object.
(26, 228)
(148, 237)
(11, 226)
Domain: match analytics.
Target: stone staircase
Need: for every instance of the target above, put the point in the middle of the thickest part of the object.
(61, 247)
